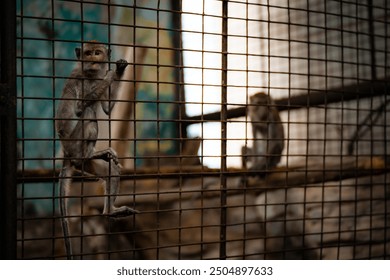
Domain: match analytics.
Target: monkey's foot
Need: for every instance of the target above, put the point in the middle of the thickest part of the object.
(107, 155)
(122, 211)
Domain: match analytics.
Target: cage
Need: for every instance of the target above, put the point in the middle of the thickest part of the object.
(214, 172)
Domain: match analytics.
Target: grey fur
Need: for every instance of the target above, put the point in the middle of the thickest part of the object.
(268, 134)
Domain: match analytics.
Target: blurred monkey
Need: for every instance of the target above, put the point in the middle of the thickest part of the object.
(268, 134)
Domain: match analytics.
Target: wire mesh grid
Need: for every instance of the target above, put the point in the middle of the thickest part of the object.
(298, 173)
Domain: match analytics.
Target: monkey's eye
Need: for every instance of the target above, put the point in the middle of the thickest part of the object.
(98, 52)
(88, 53)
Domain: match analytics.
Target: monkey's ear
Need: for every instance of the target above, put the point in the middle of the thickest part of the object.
(78, 52)
(109, 53)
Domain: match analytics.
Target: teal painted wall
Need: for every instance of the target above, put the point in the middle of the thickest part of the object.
(47, 36)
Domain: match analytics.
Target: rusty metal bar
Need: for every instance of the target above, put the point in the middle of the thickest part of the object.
(223, 115)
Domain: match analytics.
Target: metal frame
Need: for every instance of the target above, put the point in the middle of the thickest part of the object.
(283, 179)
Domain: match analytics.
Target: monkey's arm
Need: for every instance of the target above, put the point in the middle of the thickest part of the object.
(110, 96)
(95, 93)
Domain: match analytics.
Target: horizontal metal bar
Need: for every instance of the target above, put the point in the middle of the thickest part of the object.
(350, 167)
(366, 89)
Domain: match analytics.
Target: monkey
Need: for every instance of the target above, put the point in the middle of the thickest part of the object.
(268, 134)
(90, 84)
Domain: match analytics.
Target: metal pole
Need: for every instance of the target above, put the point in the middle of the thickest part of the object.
(8, 129)
(222, 249)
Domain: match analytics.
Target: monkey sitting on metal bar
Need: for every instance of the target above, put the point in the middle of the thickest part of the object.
(268, 135)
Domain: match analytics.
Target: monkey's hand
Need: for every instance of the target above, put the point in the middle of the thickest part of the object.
(121, 65)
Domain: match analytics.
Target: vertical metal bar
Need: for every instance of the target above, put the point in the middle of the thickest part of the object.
(53, 86)
(180, 113)
(386, 137)
(158, 126)
(222, 248)
(372, 39)
(8, 129)
(109, 226)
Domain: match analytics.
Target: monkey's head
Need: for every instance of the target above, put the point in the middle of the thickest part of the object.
(257, 101)
(93, 57)
(260, 98)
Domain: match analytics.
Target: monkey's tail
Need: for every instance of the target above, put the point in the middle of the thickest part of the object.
(65, 181)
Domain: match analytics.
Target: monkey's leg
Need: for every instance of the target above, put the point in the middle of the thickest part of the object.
(259, 154)
(65, 181)
(110, 171)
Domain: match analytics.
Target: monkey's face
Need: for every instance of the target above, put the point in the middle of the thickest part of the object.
(93, 58)
(259, 99)
(258, 105)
